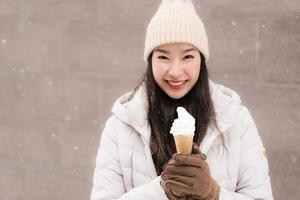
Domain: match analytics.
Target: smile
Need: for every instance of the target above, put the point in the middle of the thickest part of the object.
(176, 84)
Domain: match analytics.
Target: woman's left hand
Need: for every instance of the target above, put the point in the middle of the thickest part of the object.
(187, 176)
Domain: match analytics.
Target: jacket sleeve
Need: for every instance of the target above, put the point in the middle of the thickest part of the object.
(253, 177)
(108, 181)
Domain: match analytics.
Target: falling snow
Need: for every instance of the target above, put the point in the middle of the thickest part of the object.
(291, 122)
(45, 47)
(75, 148)
(3, 41)
(233, 23)
(19, 88)
(53, 135)
(67, 118)
(95, 122)
(116, 62)
(294, 158)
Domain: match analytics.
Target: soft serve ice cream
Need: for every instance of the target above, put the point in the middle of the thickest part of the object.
(184, 124)
(183, 130)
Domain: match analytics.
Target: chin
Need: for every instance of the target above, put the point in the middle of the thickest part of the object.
(176, 96)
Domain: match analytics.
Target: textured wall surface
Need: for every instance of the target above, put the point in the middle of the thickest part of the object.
(63, 64)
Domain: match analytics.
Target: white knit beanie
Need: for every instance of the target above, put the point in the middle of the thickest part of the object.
(176, 21)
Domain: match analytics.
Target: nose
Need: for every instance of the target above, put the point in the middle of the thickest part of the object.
(175, 70)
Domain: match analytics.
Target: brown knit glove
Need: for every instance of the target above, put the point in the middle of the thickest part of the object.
(187, 176)
(172, 195)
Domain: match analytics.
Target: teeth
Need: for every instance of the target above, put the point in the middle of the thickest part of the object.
(176, 83)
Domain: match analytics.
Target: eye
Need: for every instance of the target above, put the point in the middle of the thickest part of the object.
(162, 57)
(188, 57)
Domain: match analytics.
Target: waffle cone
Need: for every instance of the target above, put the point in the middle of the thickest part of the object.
(184, 143)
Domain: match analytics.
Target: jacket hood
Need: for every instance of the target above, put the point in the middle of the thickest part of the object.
(227, 104)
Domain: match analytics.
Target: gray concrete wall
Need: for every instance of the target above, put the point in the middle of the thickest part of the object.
(63, 63)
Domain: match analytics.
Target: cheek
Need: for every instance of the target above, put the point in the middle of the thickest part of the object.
(159, 70)
(193, 71)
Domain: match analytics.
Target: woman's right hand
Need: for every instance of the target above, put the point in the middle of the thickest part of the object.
(171, 194)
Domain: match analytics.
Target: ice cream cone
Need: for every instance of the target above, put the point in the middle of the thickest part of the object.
(184, 143)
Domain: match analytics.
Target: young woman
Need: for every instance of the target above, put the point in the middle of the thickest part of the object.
(137, 156)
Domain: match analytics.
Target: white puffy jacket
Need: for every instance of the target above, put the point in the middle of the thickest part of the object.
(125, 169)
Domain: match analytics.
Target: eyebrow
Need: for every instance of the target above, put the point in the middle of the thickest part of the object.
(167, 52)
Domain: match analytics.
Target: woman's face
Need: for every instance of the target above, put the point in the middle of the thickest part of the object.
(176, 68)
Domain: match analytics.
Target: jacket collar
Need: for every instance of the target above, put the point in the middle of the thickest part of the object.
(227, 104)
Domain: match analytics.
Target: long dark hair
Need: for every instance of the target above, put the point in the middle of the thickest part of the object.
(162, 112)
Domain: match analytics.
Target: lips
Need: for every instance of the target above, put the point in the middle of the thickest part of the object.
(176, 85)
